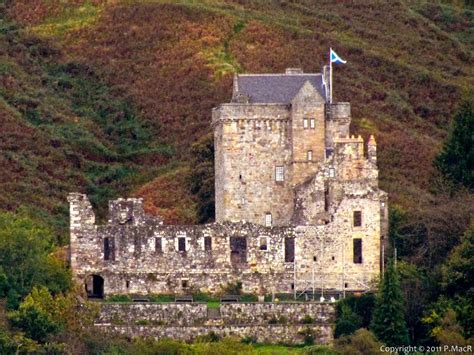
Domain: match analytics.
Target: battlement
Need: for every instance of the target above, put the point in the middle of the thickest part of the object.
(338, 110)
(250, 112)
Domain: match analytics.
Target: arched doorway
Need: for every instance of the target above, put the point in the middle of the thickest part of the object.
(94, 286)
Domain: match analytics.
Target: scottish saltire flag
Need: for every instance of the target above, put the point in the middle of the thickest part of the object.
(335, 58)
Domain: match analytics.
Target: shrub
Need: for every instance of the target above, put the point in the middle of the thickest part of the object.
(119, 298)
(362, 342)
(307, 319)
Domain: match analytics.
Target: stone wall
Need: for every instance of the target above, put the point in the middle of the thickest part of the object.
(264, 322)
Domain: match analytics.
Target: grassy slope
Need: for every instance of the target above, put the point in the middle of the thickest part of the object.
(173, 60)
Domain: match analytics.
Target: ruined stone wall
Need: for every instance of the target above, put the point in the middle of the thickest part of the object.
(138, 264)
(265, 322)
(250, 142)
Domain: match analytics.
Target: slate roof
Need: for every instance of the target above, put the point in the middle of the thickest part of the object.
(276, 88)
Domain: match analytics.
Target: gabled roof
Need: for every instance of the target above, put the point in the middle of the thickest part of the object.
(275, 88)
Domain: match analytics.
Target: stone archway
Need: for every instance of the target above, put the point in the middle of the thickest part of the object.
(94, 285)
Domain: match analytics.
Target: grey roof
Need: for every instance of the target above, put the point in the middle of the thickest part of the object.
(276, 88)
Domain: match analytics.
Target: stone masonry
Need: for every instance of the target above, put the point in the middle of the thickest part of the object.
(297, 206)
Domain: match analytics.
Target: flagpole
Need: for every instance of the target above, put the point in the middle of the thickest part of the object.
(330, 76)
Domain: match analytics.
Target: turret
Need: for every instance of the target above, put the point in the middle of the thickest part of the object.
(372, 149)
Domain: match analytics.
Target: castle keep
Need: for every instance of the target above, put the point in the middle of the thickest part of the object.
(297, 205)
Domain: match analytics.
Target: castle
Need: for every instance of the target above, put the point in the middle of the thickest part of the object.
(298, 206)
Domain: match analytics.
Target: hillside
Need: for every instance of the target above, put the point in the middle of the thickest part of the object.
(108, 97)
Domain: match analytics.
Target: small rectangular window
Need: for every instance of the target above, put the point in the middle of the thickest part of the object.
(263, 243)
(382, 209)
(182, 244)
(109, 250)
(305, 123)
(207, 243)
(357, 218)
(312, 123)
(357, 251)
(184, 283)
(289, 250)
(310, 155)
(332, 172)
(158, 245)
(279, 173)
(268, 220)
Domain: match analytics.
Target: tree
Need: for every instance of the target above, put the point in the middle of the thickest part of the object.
(26, 259)
(389, 323)
(347, 322)
(456, 160)
(37, 315)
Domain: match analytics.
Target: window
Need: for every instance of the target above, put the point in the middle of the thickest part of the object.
(332, 172)
(357, 251)
(382, 209)
(289, 250)
(310, 155)
(238, 250)
(312, 123)
(158, 245)
(279, 173)
(127, 284)
(268, 220)
(315, 258)
(305, 123)
(207, 243)
(357, 219)
(263, 243)
(184, 283)
(109, 252)
(328, 152)
(182, 244)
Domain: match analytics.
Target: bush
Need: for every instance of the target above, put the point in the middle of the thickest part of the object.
(38, 315)
(119, 298)
(347, 322)
(362, 342)
(307, 319)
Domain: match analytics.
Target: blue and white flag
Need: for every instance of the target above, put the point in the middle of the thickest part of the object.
(335, 58)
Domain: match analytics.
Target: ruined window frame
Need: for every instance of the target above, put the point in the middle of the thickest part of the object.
(159, 242)
(357, 254)
(109, 249)
(264, 244)
(357, 219)
(289, 249)
(182, 242)
(268, 219)
(279, 173)
(207, 244)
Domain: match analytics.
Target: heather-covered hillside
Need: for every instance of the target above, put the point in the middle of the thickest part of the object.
(114, 98)
(117, 92)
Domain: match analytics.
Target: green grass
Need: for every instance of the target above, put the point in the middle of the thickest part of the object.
(70, 19)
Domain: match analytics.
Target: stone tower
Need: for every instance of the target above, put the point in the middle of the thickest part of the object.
(274, 135)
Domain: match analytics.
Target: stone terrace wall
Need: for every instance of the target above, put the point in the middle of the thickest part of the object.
(270, 334)
(263, 313)
(267, 322)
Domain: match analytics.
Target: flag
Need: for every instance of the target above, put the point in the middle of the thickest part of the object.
(335, 58)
